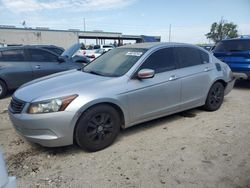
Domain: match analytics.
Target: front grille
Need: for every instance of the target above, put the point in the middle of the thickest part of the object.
(16, 105)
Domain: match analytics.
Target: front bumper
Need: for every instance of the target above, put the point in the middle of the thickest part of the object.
(50, 129)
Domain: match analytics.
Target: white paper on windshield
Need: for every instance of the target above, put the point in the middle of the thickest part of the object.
(138, 54)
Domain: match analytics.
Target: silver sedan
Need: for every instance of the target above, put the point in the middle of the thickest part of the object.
(124, 87)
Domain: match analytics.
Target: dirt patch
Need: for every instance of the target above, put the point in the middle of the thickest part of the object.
(23, 163)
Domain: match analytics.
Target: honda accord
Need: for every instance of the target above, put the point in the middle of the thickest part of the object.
(125, 86)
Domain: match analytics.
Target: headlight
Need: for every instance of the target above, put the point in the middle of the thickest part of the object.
(52, 105)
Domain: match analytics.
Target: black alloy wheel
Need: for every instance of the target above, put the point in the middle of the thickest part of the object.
(97, 128)
(215, 97)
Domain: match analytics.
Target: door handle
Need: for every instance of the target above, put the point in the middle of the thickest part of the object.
(207, 69)
(173, 77)
(38, 66)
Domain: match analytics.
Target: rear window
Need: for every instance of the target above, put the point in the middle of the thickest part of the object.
(187, 56)
(232, 46)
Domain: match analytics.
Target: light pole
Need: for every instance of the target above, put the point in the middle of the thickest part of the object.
(169, 34)
(84, 30)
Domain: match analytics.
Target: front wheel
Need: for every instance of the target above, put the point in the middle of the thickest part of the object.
(97, 128)
(215, 97)
(3, 89)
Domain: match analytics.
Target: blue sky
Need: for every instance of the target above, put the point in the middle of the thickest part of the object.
(190, 19)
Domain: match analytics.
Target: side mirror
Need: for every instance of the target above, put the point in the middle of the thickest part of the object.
(61, 59)
(146, 73)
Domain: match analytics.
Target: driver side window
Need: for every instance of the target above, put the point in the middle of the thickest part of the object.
(160, 61)
(38, 55)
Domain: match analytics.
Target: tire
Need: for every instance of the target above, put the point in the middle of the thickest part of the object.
(97, 128)
(3, 89)
(215, 97)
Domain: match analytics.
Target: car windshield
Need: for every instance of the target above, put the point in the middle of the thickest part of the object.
(116, 62)
(232, 46)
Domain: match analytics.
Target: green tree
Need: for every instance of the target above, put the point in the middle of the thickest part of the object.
(222, 30)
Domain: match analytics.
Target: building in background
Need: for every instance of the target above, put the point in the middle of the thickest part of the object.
(10, 35)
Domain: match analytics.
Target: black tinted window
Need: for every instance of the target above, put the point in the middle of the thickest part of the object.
(41, 56)
(160, 61)
(204, 57)
(12, 55)
(55, 50)
(232, 46)
(188, 56)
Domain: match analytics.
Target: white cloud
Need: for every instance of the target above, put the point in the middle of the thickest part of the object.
(78, 5)
(26, 5)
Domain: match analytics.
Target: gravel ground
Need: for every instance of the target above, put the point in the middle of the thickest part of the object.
(191, 149)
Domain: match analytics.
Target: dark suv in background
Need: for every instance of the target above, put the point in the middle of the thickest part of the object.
(236, 53)
(22, 64)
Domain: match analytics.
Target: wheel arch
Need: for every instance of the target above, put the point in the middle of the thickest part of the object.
(224, 83)
(221, 81)
(4, 82)
(209, 108)
(86, 107)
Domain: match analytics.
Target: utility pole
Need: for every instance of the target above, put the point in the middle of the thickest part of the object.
(169, 34)
(84, 30)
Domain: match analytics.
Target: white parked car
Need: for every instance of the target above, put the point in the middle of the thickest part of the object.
(106, 47)
(95, 54)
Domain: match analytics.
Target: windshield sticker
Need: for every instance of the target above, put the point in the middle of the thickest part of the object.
(138, 54)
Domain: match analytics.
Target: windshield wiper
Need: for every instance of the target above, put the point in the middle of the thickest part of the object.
(93, 72)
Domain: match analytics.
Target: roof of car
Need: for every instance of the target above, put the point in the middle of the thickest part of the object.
(148, 45)
(29, 46)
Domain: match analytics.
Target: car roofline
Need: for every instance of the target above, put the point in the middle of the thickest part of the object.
(151, 45)
(27, 47)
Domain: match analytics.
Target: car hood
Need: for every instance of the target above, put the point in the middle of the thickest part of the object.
(71, 50)
(59, 85)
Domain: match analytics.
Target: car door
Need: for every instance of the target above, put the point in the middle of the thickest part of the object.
(44, 62)
(157, 96)
(195, 75)
(15, 70)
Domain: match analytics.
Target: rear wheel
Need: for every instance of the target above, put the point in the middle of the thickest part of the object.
(97, 128)
(215, 97)
(3, 89)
